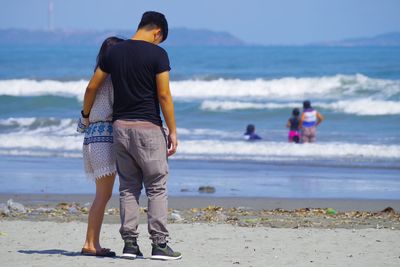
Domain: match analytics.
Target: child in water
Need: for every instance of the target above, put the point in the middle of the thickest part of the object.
(293, 125)
(250, 134)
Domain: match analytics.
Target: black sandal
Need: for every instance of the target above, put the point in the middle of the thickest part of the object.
(104, 252)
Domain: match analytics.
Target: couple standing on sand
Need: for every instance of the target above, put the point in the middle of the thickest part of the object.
(124, 133)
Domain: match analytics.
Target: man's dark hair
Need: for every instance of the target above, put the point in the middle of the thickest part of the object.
(151, 20)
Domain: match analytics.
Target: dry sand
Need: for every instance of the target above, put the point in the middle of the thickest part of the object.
(27, 243)
(212, 235)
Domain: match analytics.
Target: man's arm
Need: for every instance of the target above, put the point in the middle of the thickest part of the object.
(90, 94)
(167, 107)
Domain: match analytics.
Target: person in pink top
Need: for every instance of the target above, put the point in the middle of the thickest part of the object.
(293, 124)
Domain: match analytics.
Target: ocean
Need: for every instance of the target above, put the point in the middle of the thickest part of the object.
(218, 91)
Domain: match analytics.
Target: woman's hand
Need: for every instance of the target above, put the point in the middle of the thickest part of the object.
(83, 124)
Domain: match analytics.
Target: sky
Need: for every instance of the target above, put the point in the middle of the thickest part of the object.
(253, 21)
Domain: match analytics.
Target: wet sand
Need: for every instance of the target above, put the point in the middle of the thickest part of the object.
(227, 202)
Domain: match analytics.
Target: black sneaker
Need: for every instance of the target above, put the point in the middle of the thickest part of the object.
(164, 253)
(131, 250)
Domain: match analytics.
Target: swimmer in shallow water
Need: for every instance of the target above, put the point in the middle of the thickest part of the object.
(250, 134)
(309, 120)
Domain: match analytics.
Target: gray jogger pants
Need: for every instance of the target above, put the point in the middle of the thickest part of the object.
(141, 157)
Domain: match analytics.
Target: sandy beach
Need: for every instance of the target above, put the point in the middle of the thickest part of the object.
(25, 243)
(231, 86)
(211, 231)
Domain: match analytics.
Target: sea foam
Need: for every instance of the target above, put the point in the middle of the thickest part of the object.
(280, 149)
(364, 106)
(26, 87)
(32, 142)
(284, 88)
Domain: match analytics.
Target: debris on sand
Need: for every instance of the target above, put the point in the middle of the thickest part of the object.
(207, 189)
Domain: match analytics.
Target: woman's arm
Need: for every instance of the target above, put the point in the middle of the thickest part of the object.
(320, 118)
(90, 94)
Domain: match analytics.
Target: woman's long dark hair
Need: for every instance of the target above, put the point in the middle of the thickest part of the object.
(109, 42)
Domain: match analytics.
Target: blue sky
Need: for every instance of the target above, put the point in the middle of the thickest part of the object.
(254, 21)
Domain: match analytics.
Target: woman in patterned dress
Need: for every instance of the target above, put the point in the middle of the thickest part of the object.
(98, 156)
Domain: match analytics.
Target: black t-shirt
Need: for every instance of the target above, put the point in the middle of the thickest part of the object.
(133, 66)
(294, 123)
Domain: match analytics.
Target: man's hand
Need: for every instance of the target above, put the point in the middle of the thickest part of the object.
(167, 107)
(172, 144)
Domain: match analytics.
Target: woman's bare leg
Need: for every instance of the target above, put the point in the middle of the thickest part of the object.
(104, 187)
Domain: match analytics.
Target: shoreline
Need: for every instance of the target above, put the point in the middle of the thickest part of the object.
(244, 212)
(234, 179)
(188, 202)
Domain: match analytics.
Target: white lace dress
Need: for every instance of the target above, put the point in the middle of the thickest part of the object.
(98, 154)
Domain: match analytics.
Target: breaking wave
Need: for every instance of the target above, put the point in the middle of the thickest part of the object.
(337, 87)
(366, 106)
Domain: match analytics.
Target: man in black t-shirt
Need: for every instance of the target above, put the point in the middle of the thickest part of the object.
(139, 70)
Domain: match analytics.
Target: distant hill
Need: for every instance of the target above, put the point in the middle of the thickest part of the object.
(387, 39)
(176, 37)
(190, 37)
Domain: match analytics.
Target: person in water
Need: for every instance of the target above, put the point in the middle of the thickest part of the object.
(310, 119)
(293, 125)
(250, 133)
